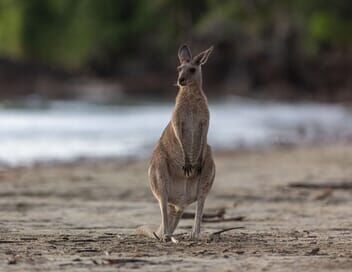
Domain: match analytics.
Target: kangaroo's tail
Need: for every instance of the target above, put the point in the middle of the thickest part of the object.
(151, 231)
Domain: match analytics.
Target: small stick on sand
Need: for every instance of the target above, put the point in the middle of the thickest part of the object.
(156, 236)
(225, 230)
(220, 220)
(216, 235)
(217, 214)
(327, 185)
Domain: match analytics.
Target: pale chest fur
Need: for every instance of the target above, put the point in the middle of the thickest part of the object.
(191, 108)
(191, 111)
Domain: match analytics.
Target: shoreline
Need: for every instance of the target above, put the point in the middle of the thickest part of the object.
(82, 131)
(135, 158)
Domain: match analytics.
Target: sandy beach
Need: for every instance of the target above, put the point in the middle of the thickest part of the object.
(292, 207)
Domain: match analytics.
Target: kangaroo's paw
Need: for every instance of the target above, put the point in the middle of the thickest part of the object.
(187, 170)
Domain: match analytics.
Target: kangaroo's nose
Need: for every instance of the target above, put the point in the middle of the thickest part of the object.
(182, 81)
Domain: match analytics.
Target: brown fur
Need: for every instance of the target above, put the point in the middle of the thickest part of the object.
(182, 169)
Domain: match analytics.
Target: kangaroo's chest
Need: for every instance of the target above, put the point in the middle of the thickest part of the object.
(192, 118)
(193, 115)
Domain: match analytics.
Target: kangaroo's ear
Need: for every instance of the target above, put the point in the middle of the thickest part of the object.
(184, 54)
(202, 57)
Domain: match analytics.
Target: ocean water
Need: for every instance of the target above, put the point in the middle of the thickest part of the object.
(67, 131)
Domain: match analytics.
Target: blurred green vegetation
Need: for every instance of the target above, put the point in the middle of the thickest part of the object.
(306, 44)
(75, 33)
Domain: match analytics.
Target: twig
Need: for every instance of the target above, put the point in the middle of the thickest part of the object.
(217, 214)
(220, 220)
(328, 185)
(124, 261)
(156, 236)
(215, 236)
(225, 230)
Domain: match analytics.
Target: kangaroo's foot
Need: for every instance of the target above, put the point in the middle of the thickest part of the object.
(165, 238)
(194, 236)
(153, 231)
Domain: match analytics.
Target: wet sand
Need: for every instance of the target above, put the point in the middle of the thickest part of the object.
(82, 216)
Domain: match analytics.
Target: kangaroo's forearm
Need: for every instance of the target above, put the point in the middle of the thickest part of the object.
(202, 141)
(178, 130)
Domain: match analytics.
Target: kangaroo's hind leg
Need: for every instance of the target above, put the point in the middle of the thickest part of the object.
(205, 182)
(159, 181)
(175, 215)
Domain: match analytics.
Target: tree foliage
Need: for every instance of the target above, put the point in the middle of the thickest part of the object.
(80, 33)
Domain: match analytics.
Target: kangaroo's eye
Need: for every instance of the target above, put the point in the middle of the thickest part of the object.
(192, 70)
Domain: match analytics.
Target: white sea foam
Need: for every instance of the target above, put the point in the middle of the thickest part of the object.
(66, 131)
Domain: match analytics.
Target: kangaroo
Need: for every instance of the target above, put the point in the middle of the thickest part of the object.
(182, 169)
